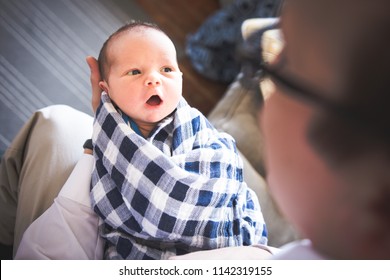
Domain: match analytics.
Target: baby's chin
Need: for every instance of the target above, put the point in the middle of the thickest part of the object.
(152, 117)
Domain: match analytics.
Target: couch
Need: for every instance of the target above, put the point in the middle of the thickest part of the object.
(237, 114)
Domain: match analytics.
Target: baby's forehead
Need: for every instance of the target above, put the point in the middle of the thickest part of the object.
(143, 32)
(145, 36)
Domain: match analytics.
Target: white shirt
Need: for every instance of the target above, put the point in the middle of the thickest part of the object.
(298, 250)
(69, 228)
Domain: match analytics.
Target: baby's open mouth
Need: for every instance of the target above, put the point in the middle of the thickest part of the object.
(154, 100)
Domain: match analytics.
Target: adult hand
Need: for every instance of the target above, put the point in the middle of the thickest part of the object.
(95, 79)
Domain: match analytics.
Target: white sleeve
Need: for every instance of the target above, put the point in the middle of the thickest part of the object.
(69, 228)
(298, 250)
(253, 252)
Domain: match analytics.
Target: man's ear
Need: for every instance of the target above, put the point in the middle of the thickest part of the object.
(104, 86)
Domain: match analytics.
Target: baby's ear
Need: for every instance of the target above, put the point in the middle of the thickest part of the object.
(104, 86)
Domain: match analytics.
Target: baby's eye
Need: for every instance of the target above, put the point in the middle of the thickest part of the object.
(166, 69)
(134, 72)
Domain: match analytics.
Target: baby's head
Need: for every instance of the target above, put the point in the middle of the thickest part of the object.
(140, 73)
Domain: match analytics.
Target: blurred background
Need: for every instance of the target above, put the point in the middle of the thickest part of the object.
(43, 45)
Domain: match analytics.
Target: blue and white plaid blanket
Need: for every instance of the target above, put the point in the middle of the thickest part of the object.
(178, 191)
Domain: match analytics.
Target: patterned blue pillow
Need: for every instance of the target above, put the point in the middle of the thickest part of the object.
(212, 48)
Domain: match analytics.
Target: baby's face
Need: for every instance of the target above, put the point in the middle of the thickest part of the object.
(144, 78)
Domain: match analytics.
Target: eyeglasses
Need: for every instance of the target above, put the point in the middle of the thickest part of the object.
(297, 90)
(255, 69)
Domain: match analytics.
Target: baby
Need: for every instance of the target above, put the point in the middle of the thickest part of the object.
(165, 181)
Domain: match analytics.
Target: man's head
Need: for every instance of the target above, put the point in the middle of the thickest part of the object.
(140, 73)
(327, 157)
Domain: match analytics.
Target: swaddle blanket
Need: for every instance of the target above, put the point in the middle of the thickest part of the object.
(178, 191)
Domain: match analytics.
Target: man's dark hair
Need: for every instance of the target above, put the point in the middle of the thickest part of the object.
(104, 63)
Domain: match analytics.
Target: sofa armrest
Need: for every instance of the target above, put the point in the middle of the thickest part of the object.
(237, 114)
(280, 231)
(272, 43)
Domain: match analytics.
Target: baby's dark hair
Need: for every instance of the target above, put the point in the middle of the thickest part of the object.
(104, 63)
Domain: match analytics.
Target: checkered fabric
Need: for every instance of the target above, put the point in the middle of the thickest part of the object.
(178, 191)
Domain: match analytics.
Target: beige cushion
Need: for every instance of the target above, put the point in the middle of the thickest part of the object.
(236, 114)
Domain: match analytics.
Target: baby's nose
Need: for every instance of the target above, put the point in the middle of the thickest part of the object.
(152, 80)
